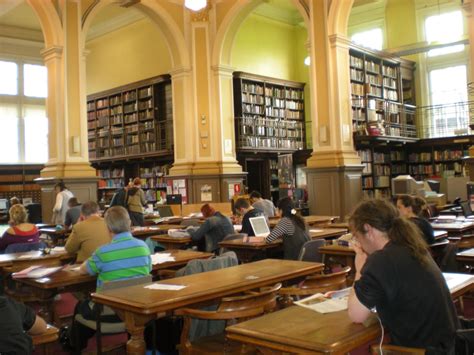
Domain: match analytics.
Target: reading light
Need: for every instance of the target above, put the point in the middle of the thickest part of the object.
(307, 61)
(195, 5)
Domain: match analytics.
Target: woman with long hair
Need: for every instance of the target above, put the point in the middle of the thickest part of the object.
(291, 228)
(411, 208)
(397, 278)
(20, 230)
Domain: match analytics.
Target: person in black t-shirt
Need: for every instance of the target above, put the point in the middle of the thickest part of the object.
(243, 208)
(16, 322)
(411, 207)
(397, 278)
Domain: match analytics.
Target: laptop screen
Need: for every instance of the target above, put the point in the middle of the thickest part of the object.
(466, 208)
(259, 226)
(164, 211)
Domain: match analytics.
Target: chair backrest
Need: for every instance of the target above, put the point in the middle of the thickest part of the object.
(34, 212)
(125, 283)
(466, 242)
(310, 251)
(24, 247)
(326, 282)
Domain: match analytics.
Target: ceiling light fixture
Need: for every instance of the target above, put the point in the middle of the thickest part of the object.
(195, 5)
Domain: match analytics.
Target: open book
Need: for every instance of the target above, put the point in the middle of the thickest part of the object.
(326, 303)
(36, 272)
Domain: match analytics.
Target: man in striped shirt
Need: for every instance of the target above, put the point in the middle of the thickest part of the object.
(124, 258)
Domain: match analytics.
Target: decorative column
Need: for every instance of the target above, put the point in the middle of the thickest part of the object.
(66, 111)
(334, 169)
(207, 158)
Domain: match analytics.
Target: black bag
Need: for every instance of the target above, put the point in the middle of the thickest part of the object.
(168, 333)
(465, 337)
(119, 198)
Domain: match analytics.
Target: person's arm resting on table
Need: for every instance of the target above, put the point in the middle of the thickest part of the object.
(90, 266)
(198, 234)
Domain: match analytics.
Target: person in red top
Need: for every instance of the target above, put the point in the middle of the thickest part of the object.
(20, 230)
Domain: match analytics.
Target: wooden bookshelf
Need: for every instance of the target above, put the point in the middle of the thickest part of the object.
(18, 180)
(269, 113)
(131, 121)
(382, 94)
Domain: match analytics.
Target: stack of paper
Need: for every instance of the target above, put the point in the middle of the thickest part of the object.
(36, 272)
(160, 258)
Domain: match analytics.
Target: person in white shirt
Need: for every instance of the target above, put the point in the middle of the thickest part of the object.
(61, 205)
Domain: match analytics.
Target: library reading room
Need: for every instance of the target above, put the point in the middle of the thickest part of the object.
(237, 177)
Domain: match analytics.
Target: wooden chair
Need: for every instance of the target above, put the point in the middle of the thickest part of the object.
(42, 341)
(466, 242)
(230, 310)
(395, 350)
(233, 236)
(313, 284)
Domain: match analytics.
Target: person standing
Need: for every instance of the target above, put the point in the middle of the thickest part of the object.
(61, 205)
(135, 203)
(397, 279)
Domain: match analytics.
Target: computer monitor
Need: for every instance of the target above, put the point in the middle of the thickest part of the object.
(259, 226)
(164, 211)
(4, 204)
(434, 185)
(174, 199)
(405, 185)
(466, 208)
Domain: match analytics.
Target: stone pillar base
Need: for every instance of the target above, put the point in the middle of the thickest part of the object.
(68, 170)
(219, 186)
(334, 191)
(84, 188)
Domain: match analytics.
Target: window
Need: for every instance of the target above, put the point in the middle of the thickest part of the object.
(371, 39)
(445, 28)
(448, 92)
(24, 133)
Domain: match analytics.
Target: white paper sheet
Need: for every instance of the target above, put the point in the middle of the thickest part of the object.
(316, 230)
(322, 304)
(164, 287)
(160, 258)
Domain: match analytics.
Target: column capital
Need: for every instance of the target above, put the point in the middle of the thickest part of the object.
(53, 52)
(222, 69)
(179, 72)
(202, 15)
(338, 40)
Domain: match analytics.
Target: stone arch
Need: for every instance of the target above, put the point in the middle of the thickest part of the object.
(49, 21)
(338, 17)
(158, 15)
(222, 49)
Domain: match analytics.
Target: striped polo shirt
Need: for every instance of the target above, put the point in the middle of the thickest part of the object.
(124, 258)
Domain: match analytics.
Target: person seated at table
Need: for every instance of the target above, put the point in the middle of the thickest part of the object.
(14, 201)
(262, 204)
(125, 257)
(411, 207)
(213, 230)
(20, 230)
(17, 323)
(246, 211)
(73, 213)
(291, 228)
(397, 279)
(89, 233)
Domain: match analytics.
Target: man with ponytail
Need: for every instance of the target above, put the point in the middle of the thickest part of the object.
(397, 278)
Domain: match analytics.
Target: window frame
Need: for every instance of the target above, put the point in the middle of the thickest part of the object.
(20, 100)
(367, 26)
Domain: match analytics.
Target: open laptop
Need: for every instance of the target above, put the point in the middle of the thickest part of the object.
(259, 226)
(164, 211)
(466, 209)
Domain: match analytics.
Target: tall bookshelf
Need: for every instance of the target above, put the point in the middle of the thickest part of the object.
(269, 113)
(130, 121)
(382, 94)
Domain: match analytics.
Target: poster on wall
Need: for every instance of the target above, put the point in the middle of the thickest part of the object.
(206, 193)
(233, 189)
(177, 186)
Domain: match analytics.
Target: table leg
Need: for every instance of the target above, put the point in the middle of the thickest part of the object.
(135, 325)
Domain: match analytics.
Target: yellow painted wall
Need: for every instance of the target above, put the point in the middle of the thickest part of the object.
(135, 52)
(400, 21)
(275, 49)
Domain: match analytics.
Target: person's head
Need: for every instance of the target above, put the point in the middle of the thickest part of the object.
(255, 196)
(73, 202)
(207, 210)
(241, 206)
(137, 182)
(60, 186)
(406, 205)
(117, 220)
(14, 201)
(89, 208)
(376, 222)
(287, 209)
(18, 215)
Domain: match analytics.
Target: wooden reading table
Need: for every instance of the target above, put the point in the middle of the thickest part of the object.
(455, 228)
(310, 220)
(13, 262)
(69, 280)
(137, 305)
(172, 243)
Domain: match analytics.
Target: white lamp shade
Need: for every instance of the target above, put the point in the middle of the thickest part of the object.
(195, 5)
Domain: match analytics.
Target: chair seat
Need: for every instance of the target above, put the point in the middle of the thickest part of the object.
(217, 344)
(105, 328)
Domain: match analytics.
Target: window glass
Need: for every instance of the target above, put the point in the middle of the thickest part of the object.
(36, 134)
(445, 28)
(9, 152)
(370, 39)
(9, 78)
(36, 80)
